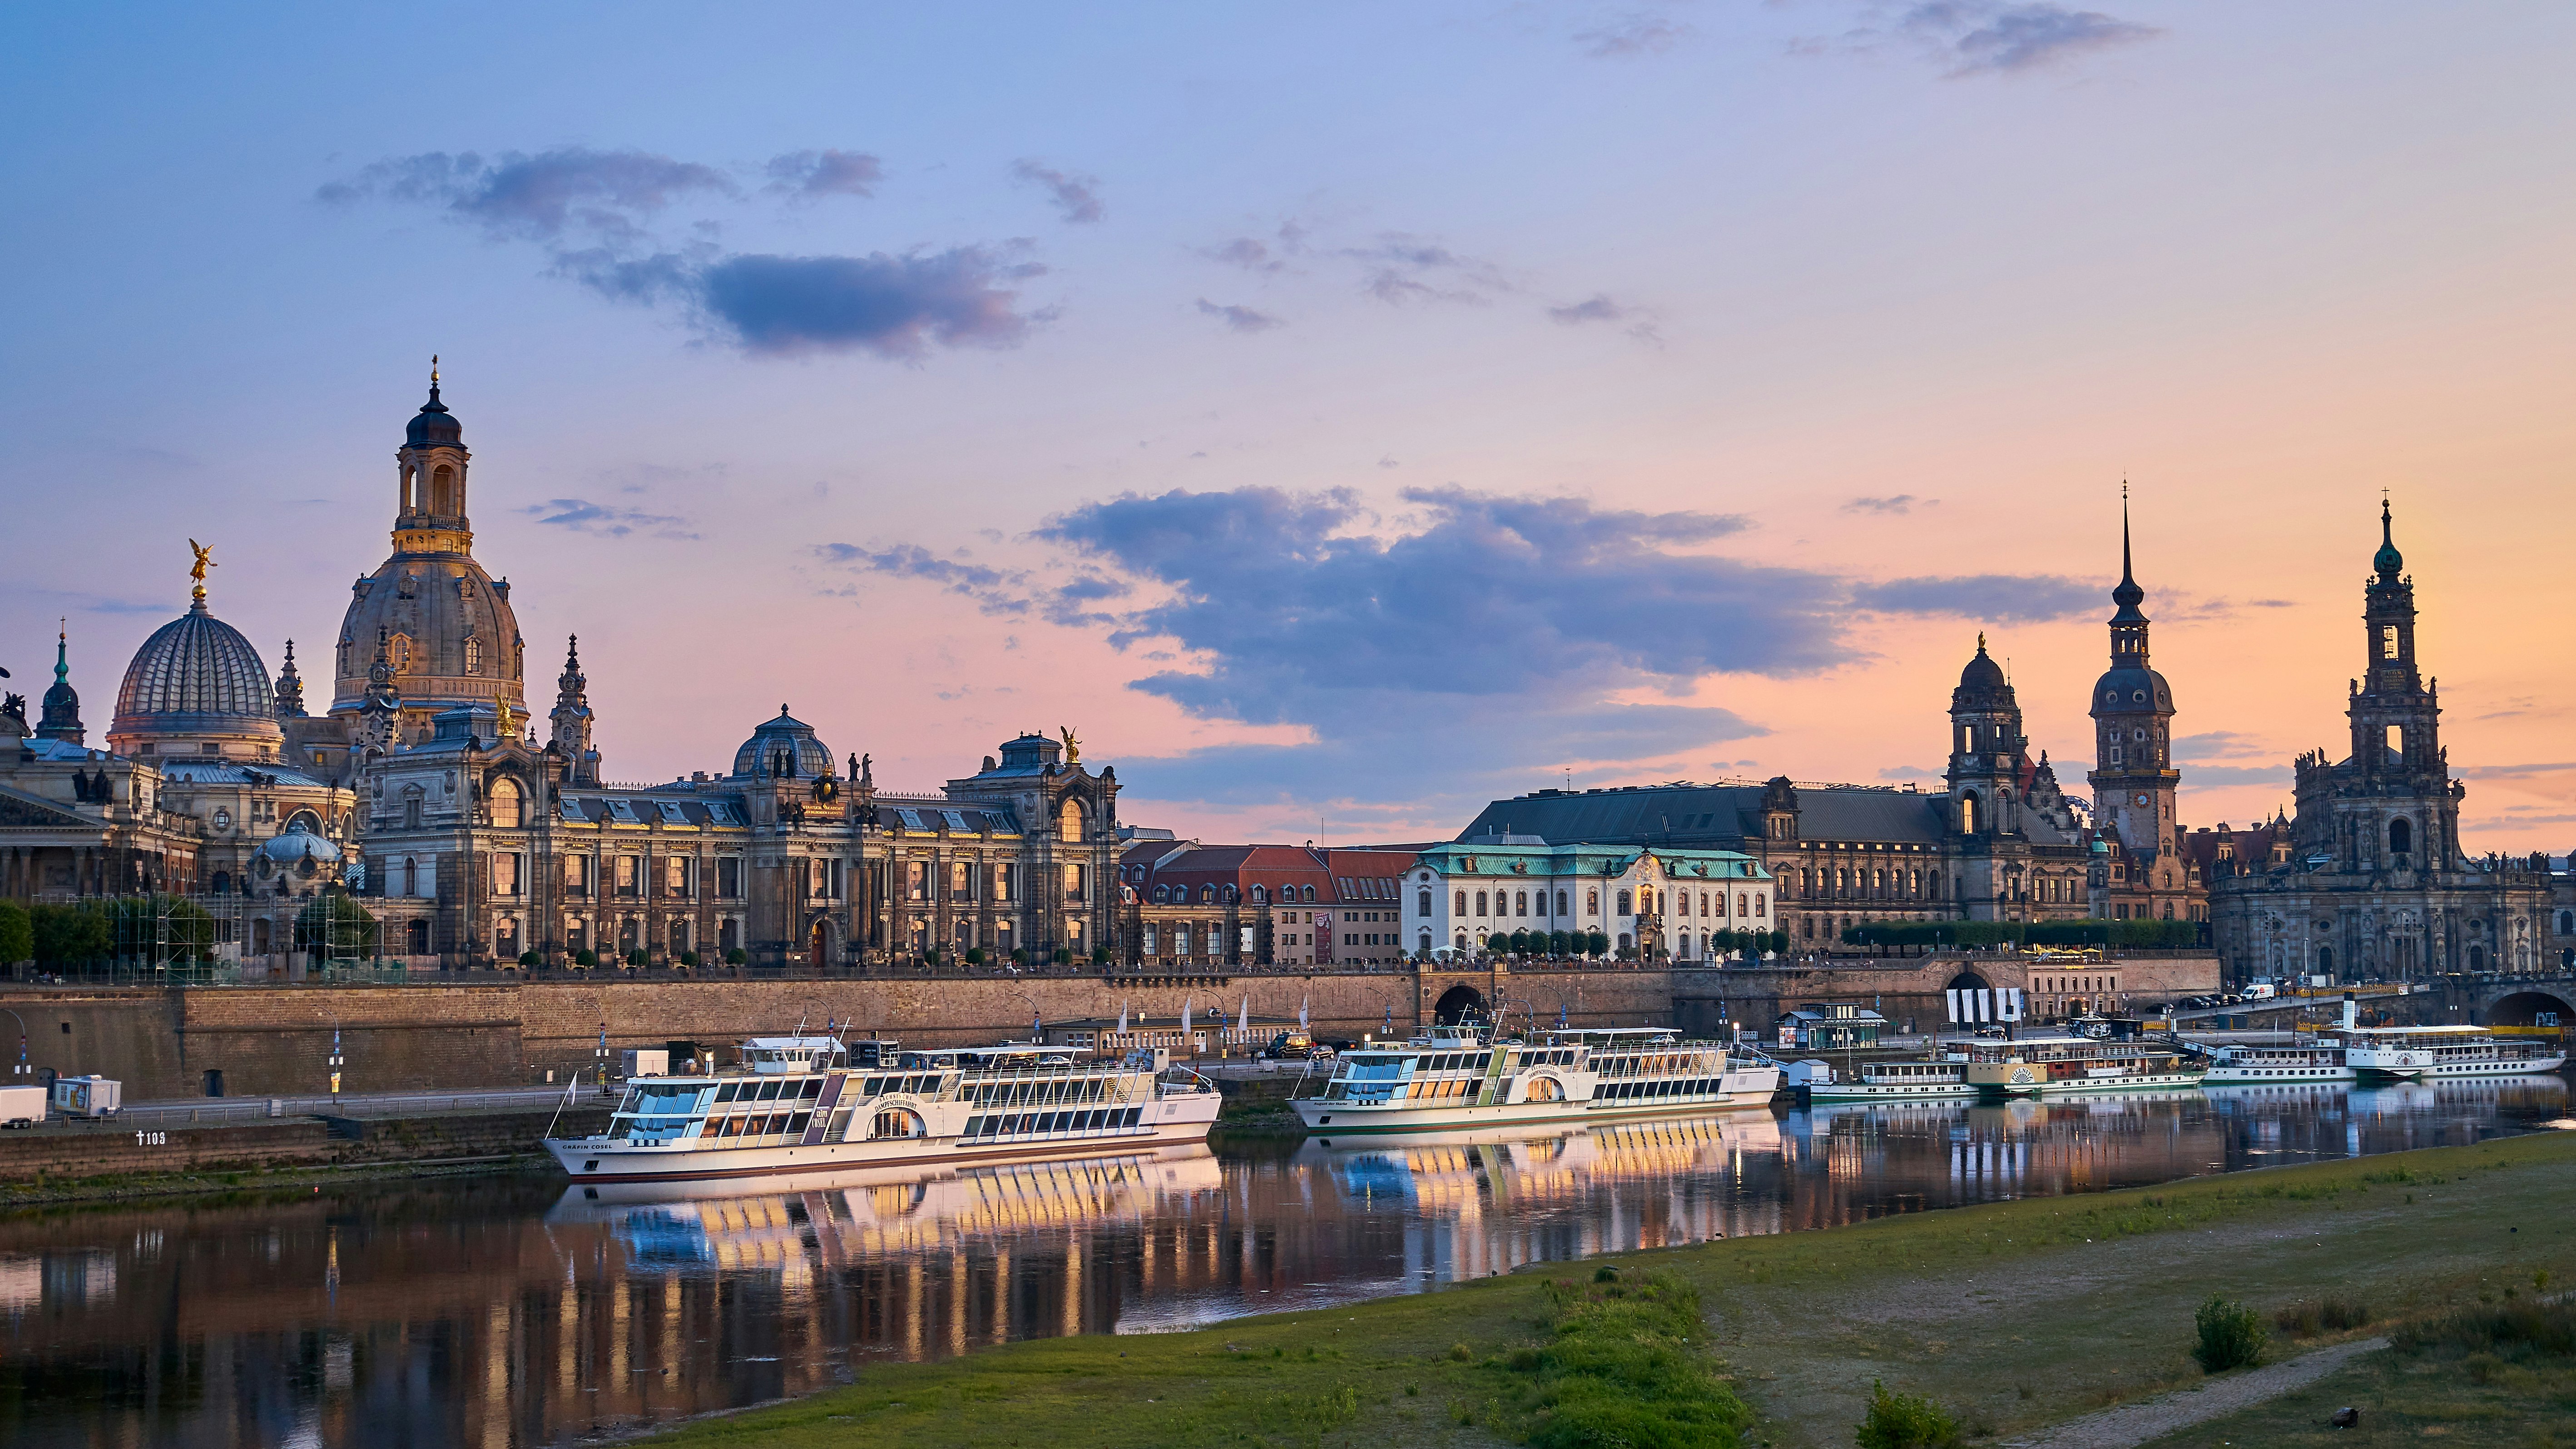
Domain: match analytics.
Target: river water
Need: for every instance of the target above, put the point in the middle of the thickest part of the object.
(523, 1312)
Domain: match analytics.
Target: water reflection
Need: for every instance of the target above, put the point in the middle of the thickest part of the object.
(521, 1312)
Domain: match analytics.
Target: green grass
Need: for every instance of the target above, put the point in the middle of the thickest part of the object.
(2013, 1316)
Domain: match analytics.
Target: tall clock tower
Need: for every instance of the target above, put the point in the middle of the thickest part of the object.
(2134, 780)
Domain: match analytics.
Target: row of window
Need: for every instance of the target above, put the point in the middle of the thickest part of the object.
(1025, 1124)
(1644, 901)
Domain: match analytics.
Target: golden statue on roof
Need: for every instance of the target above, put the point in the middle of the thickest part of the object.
(197, 570)
(1072, 746)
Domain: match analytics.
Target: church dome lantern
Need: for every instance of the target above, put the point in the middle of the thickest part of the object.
(783, 746)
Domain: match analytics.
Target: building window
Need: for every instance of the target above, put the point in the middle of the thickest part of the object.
(1006, 881)
(1625, 903)
(1761, 905)
(916, 874)
(961, 880)
(505, 875)
(1425, 911)
(1592, 901)
(473, 656)
(630, 875)
(508, 807)
(675, 875)
(729, 876)
(576, 875)
(1462, 904)
(1560, 904)
(1520, 903)
(2388, 641)
(1480, 903)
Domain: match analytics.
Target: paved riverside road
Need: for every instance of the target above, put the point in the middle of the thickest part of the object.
(181, 1111)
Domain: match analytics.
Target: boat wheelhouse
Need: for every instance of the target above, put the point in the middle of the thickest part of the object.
(1454, 1078)
(2052, 1065)
(2428, 1053)
(811, 1104)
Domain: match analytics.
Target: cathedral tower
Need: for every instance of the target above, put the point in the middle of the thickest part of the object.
(450, 634)
(2399, 809)
(1989, 755)
(571, 720)
(2133, 778)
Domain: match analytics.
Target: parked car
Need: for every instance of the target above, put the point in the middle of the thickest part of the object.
(1289, 1046)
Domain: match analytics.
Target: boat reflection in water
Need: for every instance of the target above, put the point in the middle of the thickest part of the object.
(1474, 1203)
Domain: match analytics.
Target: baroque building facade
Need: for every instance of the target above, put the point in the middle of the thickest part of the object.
(2369, 880)
(2002, 841)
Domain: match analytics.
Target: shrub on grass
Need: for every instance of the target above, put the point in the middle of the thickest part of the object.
(1903, 1421)
(2510, 1330)
(2231, 1335)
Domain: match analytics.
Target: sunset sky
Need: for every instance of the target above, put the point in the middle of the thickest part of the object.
(1339, 415)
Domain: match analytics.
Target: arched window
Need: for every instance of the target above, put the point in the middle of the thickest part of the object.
(1761, 905)
(1968, 810)
(1592, 901)
(2566, 922)
(1520, 903)
(411, 876)
(473, 656)
(508, 808)
(1462, 904)
(1425, 911)
(399, 647)
(1480, 903)
(442, 489)
(2401, 837)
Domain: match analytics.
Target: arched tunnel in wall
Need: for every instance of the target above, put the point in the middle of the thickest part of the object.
(2532, 1008)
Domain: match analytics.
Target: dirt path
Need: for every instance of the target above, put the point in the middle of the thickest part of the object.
(2130, 1425)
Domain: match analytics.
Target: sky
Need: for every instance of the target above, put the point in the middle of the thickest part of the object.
(1338, 415)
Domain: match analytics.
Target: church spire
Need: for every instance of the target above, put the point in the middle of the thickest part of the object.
(2128, 595)
(571, 719)
(61, 720)
(290, 687)
(2388, 561)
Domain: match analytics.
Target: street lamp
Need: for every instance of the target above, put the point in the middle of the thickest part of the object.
(21, 1069)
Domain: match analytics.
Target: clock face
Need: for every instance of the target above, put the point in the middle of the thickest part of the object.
(2142, 799)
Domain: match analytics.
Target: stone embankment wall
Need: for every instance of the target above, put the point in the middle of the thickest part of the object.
(276, 1040)
(1913, 989)
(57, 1153)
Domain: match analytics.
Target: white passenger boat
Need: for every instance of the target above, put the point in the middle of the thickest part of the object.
(2307, 1059)
(1458, 1079)
(2432, 1053)
(2056, 1065)
(813, 1103)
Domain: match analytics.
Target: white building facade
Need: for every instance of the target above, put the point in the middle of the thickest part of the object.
(1493, 894)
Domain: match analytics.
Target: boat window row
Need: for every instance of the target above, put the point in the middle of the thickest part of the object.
(1442, 1089)
(1667, 1087)
(756, 1125)
(1043, 1090)
(1656, 1064)
(770, 1089)
(920, 1084)
(1025, 1124)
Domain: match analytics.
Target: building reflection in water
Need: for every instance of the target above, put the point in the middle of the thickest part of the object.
(519, 1312)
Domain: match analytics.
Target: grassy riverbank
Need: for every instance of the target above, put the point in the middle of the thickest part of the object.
(50, 1192)
(2016, 1316)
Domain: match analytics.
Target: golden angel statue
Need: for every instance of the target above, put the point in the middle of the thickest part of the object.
(204, 561)
(1072, 746)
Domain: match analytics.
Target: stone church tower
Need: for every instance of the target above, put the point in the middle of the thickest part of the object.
(2134, 780)
(2397, 809)
(447, 627)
